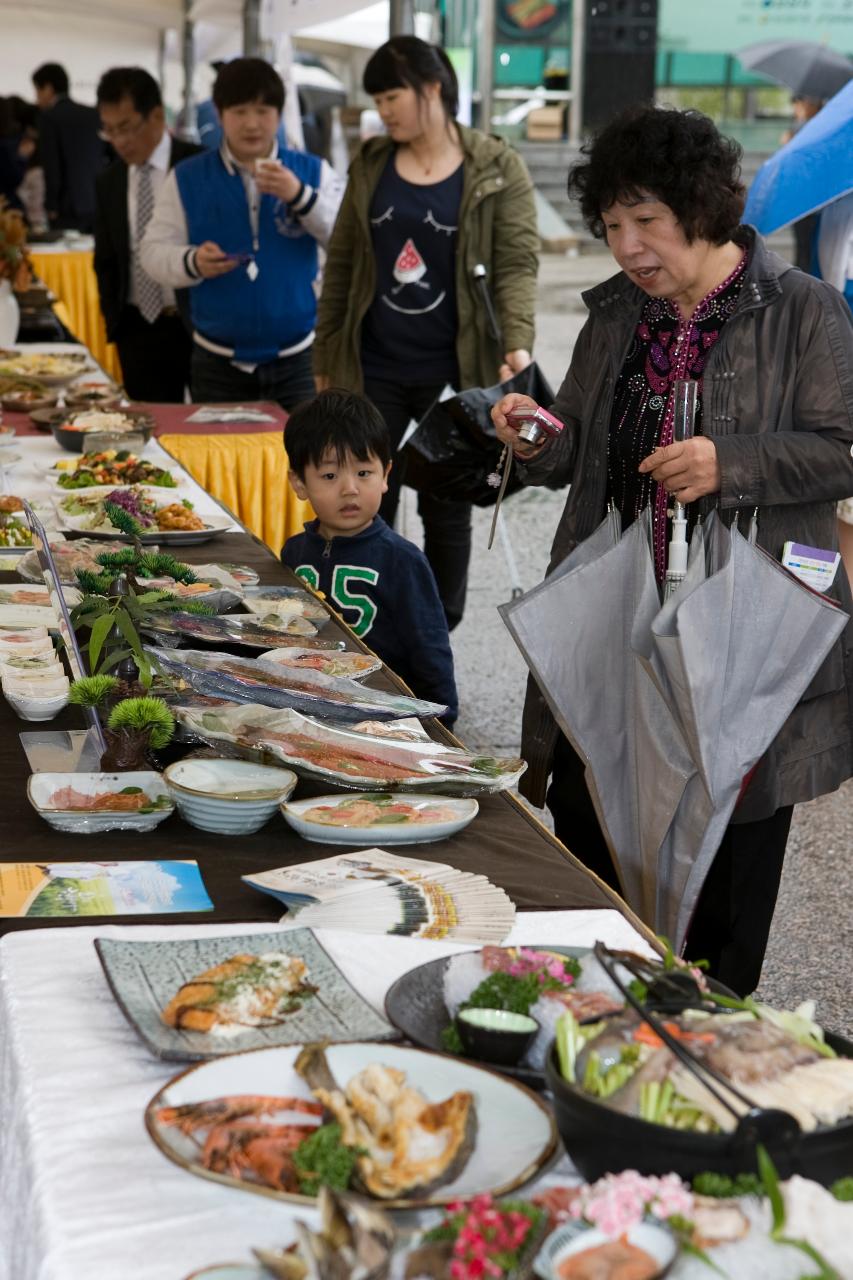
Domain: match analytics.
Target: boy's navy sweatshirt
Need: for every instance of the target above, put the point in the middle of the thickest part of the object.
(385, 590)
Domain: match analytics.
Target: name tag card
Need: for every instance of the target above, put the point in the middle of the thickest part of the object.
(812, 565)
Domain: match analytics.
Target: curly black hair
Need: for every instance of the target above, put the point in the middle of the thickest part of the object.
(677, 156)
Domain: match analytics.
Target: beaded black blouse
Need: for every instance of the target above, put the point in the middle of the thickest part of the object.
(664, 349)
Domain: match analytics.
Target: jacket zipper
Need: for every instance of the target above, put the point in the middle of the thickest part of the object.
(327, 549)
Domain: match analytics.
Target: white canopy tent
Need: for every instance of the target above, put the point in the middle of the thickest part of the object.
(87, 36)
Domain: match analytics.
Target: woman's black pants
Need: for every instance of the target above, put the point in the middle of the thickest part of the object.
(447, 524)
(731, 923)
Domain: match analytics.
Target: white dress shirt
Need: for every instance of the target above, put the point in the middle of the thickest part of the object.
(159, 161)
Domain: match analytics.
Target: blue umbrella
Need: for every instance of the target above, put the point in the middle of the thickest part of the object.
(810, 171)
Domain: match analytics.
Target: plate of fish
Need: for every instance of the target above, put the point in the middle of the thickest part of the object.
(284, 602)
(403, 1127)
(355, 666)
(241, 629)
(86, 803)
(350, 759)
(379, 817)
(536, 982)
(272, 685)
(68, 556)
(193, 999)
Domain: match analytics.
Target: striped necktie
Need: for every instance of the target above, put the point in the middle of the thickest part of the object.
(149, 295)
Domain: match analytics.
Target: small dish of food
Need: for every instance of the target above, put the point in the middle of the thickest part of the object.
(21, 395)
(86, 803)
(92, 394)
(379, 817)
(76, 426)
(51, 370)
(578, 1251)
(496, 1035)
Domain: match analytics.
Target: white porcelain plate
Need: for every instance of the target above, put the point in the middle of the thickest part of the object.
(515, 1130)
(379, 818)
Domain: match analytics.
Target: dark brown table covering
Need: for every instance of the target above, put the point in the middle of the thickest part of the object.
(505, 842)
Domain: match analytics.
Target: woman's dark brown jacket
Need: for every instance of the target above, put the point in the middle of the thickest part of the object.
(778, 404)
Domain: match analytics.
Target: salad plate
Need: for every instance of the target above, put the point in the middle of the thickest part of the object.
(379, 818)
(514, 1135)
(145, 976)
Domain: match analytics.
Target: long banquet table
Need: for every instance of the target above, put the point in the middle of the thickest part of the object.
(83, 1191)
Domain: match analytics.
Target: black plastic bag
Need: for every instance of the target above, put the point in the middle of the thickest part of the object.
(454, 449)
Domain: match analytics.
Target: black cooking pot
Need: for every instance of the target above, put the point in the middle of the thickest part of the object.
(600, 1140)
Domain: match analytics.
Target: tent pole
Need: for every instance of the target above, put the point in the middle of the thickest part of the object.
(251, 28)
(189, 126)
(578, 58)
(161, 57)
(486, 63)
(402, 18)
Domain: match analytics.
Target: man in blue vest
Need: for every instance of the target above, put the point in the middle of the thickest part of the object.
(239, 227)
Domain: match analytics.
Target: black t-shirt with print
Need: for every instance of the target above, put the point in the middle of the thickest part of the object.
(409, 332)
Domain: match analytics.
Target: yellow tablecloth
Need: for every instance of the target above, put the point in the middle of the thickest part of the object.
(248, 472)
(71, 276)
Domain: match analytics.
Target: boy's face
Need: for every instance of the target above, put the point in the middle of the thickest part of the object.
(345, 495)
(250, 130)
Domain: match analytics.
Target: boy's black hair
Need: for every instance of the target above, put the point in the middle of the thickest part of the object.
(245, 80)
(339, 420)
(51, 73)
(129, 82)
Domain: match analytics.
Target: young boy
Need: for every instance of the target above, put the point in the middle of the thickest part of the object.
(340, 457)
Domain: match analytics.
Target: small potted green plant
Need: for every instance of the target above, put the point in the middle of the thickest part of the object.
(135, 727)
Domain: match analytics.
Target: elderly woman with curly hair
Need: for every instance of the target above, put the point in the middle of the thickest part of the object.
(699, 296)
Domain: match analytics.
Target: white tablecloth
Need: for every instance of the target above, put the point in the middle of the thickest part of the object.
(84, 1193)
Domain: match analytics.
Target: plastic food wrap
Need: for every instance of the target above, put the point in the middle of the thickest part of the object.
(269, 684)
(348, 758)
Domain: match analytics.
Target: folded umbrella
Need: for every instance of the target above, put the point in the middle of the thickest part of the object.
(808, 69)
(670, 706)
(809, 172)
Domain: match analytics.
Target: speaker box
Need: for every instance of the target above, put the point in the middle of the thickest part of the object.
(619, 67)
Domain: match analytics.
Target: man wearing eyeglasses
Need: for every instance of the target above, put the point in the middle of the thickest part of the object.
(141, 316)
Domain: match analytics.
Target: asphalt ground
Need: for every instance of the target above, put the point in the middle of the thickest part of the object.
(810, 954)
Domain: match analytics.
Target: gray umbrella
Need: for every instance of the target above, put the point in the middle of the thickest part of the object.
(671, 706)
(808, 69)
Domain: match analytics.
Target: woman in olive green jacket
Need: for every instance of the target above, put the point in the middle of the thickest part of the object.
(401, 314)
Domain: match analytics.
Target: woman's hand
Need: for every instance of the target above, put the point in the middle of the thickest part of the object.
(505, 431)
(688, 469)
(514, 362)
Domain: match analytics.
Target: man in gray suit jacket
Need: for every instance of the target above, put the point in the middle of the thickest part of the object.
(141, 317)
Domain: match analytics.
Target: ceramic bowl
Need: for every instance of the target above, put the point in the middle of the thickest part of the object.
(574, 1237)
(29, 707)
(41, 787)
(231, 797)
(496, 1035)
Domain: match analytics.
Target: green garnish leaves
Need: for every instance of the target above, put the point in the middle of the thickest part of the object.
(322, 1160)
